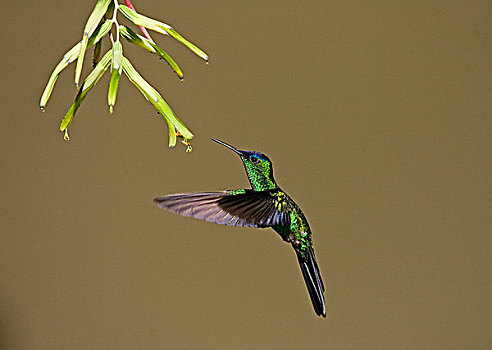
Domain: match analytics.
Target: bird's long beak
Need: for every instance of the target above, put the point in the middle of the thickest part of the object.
(228, 146)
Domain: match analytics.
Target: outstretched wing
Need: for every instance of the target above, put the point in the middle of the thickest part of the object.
(232, 208)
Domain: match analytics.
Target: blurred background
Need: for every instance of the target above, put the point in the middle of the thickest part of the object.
(377, 116)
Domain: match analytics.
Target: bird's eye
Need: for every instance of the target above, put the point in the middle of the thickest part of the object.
(254, 159)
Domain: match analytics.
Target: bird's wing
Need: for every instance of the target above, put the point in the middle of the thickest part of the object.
(232, 208)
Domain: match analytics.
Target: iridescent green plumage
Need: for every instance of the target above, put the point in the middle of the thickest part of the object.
(265, 205)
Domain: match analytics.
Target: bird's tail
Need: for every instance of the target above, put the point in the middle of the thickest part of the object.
(312, 277)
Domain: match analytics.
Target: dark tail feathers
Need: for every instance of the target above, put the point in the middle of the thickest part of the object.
(312, 277)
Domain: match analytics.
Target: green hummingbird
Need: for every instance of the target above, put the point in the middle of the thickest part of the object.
(264, 205)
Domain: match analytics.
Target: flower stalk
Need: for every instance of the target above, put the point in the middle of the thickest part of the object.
(103, 22)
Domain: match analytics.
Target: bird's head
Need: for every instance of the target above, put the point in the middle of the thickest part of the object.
(258, 167)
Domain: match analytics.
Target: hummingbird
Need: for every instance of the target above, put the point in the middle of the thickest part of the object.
(264, 205)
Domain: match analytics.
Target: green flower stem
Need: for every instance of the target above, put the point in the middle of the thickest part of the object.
(70, 57)
(150, 46)
(116, 67)
(88, 84)
(174, 124)
(91, 25)
(160, 27)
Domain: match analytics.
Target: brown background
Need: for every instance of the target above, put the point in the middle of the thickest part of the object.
(377, 117)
